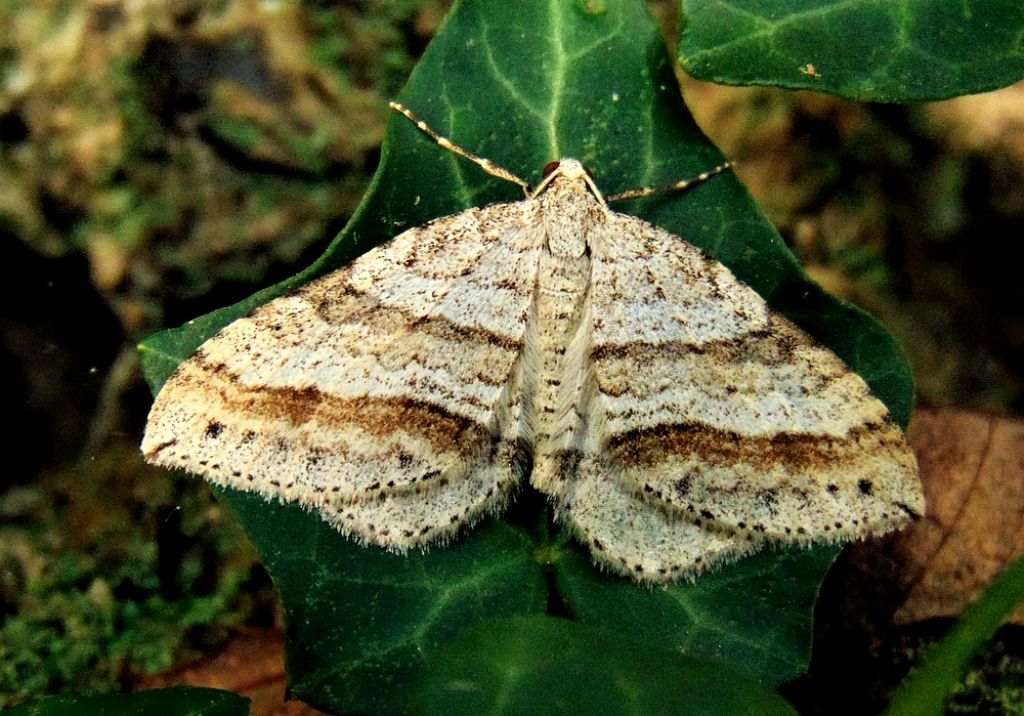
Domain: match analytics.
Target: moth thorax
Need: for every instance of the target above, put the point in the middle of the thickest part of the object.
(568, 212)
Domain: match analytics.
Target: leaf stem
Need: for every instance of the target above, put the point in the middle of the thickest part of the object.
(926, 688)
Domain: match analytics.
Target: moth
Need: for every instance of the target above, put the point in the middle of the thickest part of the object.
(674, 421)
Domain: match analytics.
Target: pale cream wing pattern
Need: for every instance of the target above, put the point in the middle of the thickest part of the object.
(721, 412)
(633, 537)
(385, 395)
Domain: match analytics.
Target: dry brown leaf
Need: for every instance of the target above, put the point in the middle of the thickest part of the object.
(885, 599)
(972, 466)
(992, 121)
(250, 664)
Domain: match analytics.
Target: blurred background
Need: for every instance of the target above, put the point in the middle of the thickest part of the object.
(160, 159)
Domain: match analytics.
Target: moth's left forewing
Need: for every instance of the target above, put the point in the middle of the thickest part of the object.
(382, 395)
(724, 411)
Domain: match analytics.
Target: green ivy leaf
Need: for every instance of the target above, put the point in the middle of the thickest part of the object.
(361, 623)
(173, 701)
(545, 665)
(756, 616)
(553, 79)
(872, 50)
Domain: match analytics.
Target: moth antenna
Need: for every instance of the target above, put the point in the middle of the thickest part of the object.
(486, 164)
(671, 186)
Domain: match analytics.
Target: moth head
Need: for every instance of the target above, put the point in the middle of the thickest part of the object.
(573, 172)
(569, 168)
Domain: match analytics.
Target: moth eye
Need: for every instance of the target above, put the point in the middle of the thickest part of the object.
(587, 170)
(549, 168)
